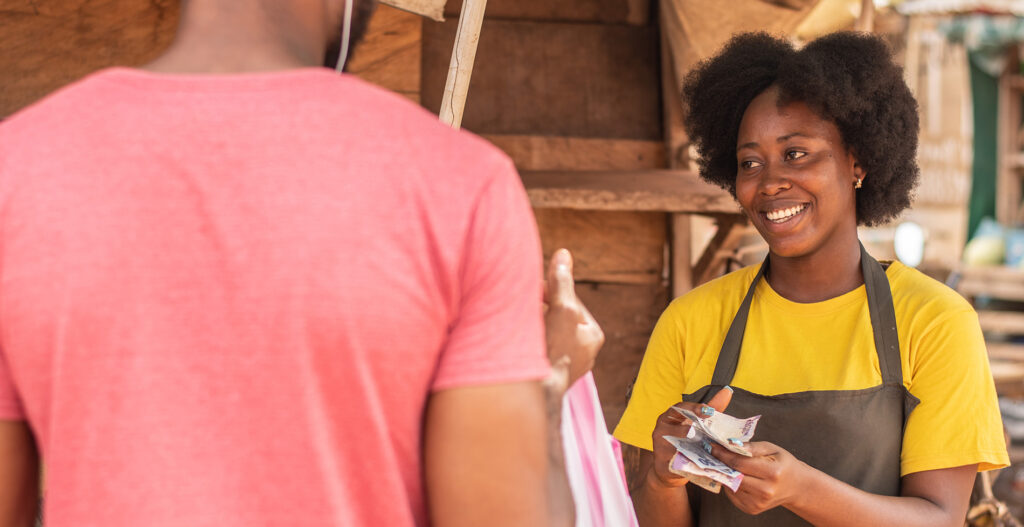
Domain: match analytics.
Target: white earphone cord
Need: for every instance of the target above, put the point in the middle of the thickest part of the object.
(346, 28)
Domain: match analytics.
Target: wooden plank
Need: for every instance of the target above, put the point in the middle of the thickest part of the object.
(1003, 322)
(633, 12)
(1008, 184)
(542, 78)
(49, 44)
(731, 230)
(608, 246)
(1011, 351)
(627, 313)
(1008, 377)
(390, 53)
(535, 152)
(643, 190)
(1000, 282)
(433, 9)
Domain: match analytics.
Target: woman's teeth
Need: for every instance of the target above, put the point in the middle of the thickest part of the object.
(779, 216)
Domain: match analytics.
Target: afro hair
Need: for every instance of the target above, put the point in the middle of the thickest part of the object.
(846, 78)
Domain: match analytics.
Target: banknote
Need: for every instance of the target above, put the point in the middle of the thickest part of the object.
(726, 430)
(696, 464)
(696, 475)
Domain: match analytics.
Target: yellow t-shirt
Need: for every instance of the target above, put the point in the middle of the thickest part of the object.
(792, 347)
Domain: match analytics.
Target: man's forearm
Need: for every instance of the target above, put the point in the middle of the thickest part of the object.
(19, 475)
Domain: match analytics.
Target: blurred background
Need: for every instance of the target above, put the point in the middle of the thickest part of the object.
(584, 97)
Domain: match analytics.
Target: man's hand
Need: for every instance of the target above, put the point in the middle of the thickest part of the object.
(573, 336)
(771, 477)
(672, 423)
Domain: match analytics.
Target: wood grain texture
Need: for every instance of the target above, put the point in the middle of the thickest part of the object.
(633, 12)
(641, 190)
(536, 152)
(544, 78)
(390, 53)
(627, 313)
(48, 44)
(614, 247)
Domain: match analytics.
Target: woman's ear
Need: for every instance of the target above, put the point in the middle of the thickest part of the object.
(858, 173)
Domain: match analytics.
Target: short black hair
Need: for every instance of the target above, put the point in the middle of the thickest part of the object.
(847, 78)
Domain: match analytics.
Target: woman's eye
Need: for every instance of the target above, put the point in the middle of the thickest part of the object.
(747, 165)
(795, 154)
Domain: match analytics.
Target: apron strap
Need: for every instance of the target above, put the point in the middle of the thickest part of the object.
(883, 318)
(880, 308)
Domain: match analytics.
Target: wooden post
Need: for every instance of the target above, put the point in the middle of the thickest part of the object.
(866, 20)
(471, 18)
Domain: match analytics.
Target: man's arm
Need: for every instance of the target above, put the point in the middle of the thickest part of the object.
(19, 474)
(487, 456)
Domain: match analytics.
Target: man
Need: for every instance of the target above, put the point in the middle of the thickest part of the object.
(241, 290)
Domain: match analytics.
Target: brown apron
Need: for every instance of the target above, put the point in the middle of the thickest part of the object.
(852, 435)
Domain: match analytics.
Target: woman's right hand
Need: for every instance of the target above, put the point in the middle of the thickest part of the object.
(672, 423)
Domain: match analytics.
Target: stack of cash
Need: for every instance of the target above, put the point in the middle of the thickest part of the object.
(693, 458)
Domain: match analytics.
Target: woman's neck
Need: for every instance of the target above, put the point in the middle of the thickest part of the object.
(827, 273)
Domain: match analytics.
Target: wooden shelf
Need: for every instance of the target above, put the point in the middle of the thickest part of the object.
(1005, 283)
(1005, 351)
(1004, 322)
(636, 190)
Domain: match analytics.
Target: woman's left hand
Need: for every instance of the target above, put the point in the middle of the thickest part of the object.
(771, 477)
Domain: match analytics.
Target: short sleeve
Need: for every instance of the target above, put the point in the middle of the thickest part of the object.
(958, 421)
(659, 384)
(498, 334)
(10, 403)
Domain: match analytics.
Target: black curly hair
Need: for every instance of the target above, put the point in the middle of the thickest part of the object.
(847, 78)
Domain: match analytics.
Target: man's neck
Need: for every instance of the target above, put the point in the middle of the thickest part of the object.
(217, 38)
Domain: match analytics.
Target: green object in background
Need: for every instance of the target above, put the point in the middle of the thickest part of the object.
(984, 97)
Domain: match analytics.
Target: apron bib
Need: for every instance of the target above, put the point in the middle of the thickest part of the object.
(852, 435)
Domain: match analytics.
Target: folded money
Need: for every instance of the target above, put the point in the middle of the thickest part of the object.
(695, 463)
(696, 475)
(723, 429)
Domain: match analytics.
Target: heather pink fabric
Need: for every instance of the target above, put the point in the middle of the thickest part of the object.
(224, 300)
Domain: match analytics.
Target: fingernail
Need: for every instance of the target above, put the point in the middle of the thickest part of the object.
(562, 257)
(735, 441)
(707, 411)
(706, 445)
(727, 387)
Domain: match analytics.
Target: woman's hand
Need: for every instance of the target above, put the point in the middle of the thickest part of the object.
(771, 477)
(672, 423)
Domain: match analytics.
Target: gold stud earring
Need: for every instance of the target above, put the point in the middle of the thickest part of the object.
(859, 183)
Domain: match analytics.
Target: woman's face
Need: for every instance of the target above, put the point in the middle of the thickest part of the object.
(795, 177)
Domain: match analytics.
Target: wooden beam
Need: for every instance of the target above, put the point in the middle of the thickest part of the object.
(631, 12)
(537, 152)
(1003, 322)
(720, 248)
(638, 190)
(866, 20)
(1000, 282)
(607, 246)
(460, 69)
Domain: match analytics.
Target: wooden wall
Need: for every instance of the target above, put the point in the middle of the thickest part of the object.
(563, 86)
(568, 86)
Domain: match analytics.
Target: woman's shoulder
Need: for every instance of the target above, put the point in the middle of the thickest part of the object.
(917, 293)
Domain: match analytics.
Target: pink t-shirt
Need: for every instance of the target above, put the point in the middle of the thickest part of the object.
(224, 300)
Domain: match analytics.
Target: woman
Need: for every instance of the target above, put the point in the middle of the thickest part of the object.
(873, 381)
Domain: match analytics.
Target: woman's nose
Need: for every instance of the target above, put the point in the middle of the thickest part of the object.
(773, 180)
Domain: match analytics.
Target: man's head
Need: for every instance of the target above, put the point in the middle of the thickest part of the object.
(362, 10)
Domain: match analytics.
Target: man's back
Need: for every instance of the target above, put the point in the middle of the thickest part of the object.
(225, 300)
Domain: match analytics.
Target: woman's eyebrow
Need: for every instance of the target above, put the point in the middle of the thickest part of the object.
(780, 139)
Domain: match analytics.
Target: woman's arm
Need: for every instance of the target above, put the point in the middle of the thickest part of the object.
(659, 496)
(774, 478)
(659, 503)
